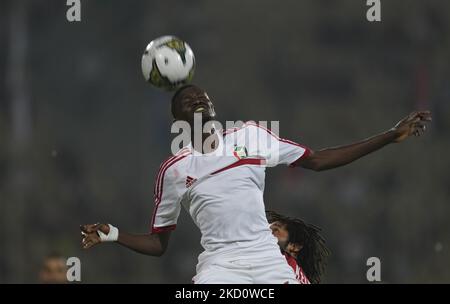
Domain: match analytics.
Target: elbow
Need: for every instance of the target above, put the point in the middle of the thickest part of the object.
(156, 245)
(315, 162)
(318, 168)
(319, 163)
(314, 165)
(161, 249)
(154, 252)
(160, 252)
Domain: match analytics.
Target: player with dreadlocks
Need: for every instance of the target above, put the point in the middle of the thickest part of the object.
(302, 245)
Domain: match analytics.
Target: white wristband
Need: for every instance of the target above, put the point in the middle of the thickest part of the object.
(112, 236)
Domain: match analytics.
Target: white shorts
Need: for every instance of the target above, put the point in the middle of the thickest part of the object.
(273, 270)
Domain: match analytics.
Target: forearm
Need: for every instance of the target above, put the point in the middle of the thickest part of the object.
(338, 156)
(149, 244)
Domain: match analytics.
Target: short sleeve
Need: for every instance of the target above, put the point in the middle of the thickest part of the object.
(274, 149)
(167, 201)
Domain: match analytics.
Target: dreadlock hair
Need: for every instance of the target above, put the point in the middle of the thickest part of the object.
(313, 256)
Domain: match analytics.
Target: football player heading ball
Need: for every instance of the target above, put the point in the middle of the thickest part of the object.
(225, 195)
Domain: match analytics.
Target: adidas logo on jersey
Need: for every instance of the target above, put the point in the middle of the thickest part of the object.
(190, 181)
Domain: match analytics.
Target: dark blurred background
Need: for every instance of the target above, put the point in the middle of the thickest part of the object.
(82, 135)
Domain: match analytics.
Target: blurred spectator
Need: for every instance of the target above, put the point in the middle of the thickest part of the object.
(53, 270)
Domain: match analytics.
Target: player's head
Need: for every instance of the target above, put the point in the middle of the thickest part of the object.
(302, 241)
(53, 269)
(189, 100)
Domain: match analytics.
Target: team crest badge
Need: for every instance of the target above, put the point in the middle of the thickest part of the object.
(240, 152)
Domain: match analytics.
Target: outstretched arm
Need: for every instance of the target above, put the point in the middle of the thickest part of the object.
(413, 124)
(149, 244)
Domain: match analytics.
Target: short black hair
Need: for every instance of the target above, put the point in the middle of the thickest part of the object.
(177, 93)
(314, 254)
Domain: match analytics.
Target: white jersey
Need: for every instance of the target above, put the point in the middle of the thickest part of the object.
(223, 192)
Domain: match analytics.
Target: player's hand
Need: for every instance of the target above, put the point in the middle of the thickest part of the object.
(413, 124)
(90, 236)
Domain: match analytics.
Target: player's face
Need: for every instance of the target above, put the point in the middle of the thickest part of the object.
(192, 101)
(293, 249)
(53, 271)
(280, 232)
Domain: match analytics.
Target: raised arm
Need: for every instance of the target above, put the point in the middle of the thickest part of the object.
(149, 244)
(329, 158)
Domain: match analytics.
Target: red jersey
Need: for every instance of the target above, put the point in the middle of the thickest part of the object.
(299, 274)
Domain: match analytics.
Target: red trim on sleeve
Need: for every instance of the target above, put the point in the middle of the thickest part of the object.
(250, 123)
(160, 181)
(228, 131)
(163, 229)
(184, 151)
(305, 154)
(295, 144)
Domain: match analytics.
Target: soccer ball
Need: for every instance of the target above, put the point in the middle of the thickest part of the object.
(168, 63)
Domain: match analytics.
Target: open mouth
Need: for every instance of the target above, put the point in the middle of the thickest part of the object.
(200, 109)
